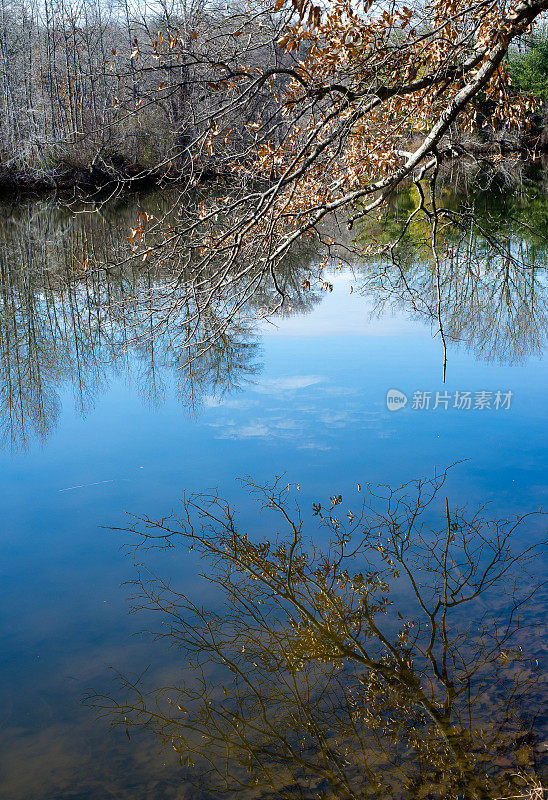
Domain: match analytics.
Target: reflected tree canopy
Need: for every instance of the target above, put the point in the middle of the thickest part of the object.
(66, 320)
(386, 660)
(473, 264)
(69, 317)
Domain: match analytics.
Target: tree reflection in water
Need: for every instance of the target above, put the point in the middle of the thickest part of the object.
(385, 662)
(484, 283)
(64, 320)
(69, 318)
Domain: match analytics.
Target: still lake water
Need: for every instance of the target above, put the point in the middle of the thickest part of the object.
(93, 428)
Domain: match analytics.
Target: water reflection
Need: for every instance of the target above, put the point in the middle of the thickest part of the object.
(65, 322)
(388, 659)
(68, 318)
(317, 409)
(485, 286)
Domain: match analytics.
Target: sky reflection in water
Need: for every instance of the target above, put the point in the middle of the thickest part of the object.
(315, 410)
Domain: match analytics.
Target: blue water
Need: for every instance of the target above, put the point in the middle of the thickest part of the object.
(315, 411)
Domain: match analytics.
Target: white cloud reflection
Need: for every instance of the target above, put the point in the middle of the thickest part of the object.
(289, 383)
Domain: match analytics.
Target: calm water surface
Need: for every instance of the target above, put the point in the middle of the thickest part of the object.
(93, 428)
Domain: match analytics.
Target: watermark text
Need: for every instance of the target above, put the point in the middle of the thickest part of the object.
(460, 400)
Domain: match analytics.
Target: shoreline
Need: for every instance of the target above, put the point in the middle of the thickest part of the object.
(104, 179)
(100, 180)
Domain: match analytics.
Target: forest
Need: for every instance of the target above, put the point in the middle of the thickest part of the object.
(89, 93)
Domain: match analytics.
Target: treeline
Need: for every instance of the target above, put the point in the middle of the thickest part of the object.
(98, 90)
(90, 88)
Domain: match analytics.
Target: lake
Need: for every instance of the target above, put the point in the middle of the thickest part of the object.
(99, 419)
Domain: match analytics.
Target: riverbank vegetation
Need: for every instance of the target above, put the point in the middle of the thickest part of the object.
(79, 105)
(92, 93)
(528, 64)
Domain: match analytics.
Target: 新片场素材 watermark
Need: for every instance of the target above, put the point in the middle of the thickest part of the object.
(460, 400)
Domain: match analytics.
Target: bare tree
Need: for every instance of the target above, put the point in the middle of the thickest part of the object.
(385, 663)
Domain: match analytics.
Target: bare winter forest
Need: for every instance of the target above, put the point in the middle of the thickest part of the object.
(92, 89)
(89, 86)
